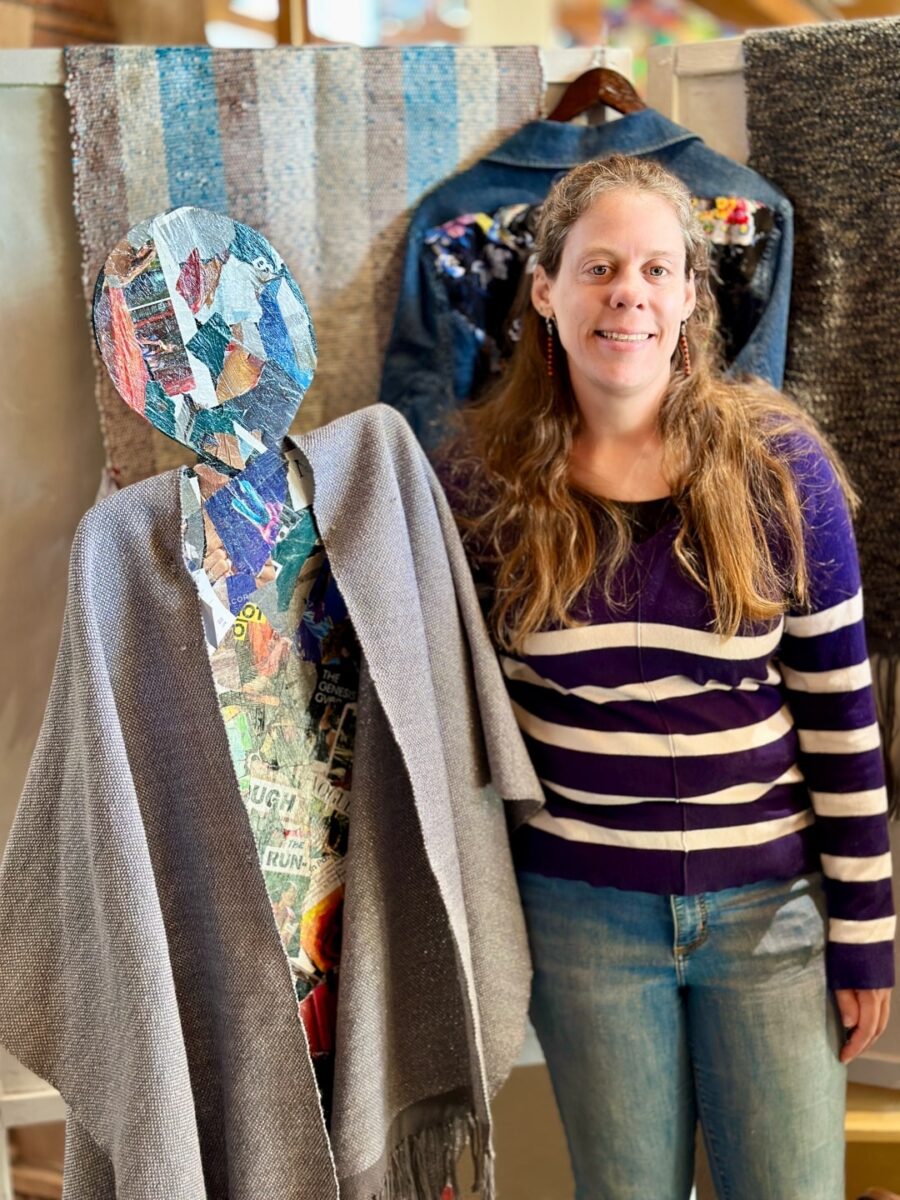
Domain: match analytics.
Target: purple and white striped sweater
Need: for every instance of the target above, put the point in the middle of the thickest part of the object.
(676, 762)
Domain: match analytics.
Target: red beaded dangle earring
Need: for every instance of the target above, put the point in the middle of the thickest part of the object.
(685, 349)
(549, 323)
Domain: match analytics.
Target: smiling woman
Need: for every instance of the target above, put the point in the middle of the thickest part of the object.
(619, 299)
(667, 563)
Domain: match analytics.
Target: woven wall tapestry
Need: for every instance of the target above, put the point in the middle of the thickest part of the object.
(823, 112)
(324, 149)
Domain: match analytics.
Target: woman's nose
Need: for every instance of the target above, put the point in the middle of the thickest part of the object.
(628, 290)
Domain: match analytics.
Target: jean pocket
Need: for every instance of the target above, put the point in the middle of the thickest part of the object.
(775, 922)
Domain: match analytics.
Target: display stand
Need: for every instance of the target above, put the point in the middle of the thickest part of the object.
(702, 88)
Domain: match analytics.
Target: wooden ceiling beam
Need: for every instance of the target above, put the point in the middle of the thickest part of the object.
(753, 14)
(870, 8)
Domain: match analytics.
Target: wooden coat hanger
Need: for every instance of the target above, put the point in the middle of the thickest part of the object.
(597, 86)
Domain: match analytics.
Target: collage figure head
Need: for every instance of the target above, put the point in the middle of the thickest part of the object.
(205, 333)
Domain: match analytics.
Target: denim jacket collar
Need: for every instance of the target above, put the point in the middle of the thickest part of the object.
(554, 144)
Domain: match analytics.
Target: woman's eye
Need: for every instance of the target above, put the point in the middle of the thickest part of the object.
(600, 269)
(658, 272)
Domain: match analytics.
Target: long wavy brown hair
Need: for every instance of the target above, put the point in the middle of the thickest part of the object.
(725, 457)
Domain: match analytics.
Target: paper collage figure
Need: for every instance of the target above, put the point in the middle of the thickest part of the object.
(206, 334)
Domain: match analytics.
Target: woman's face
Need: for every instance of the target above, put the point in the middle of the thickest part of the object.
(619, 297)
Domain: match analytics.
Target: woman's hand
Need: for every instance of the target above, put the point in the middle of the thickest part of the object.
(866, 1012)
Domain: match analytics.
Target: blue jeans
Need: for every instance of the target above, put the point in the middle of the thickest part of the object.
(653, 1011)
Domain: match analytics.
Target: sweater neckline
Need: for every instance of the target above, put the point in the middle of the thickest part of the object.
(650, 509)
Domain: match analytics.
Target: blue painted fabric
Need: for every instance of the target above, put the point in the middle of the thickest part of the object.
(190, 124)
(431, 359)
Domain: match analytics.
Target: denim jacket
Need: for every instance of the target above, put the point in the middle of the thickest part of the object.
(431, 362)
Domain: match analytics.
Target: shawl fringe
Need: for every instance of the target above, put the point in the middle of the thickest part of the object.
(425, 1163)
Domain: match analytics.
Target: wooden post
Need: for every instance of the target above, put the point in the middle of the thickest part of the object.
(293, 26)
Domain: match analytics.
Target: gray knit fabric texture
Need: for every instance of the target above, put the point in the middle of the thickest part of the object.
(823, 114)
(141, 971)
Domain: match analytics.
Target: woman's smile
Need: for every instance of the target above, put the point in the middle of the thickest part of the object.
(622, 340)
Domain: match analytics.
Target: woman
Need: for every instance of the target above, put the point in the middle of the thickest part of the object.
(669, 573)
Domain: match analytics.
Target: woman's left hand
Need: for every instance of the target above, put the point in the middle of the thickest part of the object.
(866, 1012)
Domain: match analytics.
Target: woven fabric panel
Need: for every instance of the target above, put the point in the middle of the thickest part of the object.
(323, 149)
(823, 111)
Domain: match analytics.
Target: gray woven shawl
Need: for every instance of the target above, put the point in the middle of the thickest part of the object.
(142, 972)
(823, 114)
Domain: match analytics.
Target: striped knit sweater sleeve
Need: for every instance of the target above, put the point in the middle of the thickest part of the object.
(827, 677)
